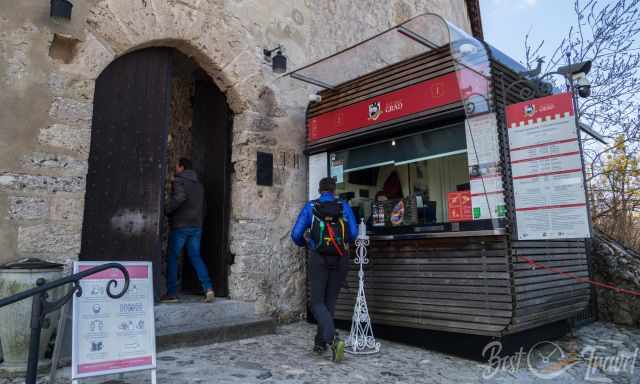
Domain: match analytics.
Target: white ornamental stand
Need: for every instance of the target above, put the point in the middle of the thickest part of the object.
(361, 340)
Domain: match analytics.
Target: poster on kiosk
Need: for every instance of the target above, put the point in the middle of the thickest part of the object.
(547, 170)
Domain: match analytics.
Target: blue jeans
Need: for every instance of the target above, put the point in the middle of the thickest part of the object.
(177, 240)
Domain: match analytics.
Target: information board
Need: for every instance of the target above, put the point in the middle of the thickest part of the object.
(546, 166)
(318, 164)
(113, 335)
(483, 158)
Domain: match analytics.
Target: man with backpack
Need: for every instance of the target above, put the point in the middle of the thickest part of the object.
(332, 226)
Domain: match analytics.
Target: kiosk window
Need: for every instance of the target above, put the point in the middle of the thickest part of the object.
(407, 180)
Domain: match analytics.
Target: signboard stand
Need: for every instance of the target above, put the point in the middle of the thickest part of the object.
(113, 336)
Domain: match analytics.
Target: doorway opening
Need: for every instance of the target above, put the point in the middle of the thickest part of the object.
(152, 107)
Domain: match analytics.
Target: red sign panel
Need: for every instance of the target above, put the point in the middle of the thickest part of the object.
(416, 98)
(548, 107)
(459, 206)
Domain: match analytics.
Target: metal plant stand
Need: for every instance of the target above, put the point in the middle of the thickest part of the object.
(361, 340)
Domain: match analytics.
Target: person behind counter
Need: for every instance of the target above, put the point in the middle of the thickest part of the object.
(332, 226)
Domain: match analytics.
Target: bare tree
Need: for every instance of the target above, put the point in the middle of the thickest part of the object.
(607, 33)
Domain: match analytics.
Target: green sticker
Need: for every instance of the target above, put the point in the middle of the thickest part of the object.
(501, 210)
(476, 213)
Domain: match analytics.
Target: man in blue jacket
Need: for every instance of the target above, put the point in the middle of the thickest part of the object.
(332, 227)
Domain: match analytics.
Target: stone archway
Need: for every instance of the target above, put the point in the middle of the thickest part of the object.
(267, 268)
(151, 107)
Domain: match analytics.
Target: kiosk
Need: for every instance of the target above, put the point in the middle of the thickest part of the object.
(412, 125)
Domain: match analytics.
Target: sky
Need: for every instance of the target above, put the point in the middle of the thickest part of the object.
(506, 22)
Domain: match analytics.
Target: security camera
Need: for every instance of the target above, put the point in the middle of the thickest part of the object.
(569, 70)
(582, 84)
(584, 91)
(315, 98)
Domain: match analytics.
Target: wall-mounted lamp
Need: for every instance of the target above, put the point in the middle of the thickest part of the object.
(278, 62)
(61, 9)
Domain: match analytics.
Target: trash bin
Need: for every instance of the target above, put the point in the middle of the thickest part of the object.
(15, 331)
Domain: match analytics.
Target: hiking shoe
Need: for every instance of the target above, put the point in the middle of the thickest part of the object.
(168, 299)
(209, 297)
(320, 348)
(337, 350)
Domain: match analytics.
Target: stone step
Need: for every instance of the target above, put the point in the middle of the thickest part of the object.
(192, 323)
(191, 308)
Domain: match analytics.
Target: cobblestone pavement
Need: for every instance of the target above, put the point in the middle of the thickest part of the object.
(286, 358)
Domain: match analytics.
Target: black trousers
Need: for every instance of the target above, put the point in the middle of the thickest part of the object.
(327, 274)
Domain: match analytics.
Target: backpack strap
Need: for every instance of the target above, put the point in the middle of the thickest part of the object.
(333, 240)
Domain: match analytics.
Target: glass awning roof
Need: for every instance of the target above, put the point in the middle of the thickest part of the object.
(414, 37)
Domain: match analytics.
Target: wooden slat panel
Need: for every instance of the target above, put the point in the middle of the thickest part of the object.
(353, 282)
(425, 305)
(549, 291)
(435, 57)
(519, 266)
(458, 285)
(442, 258)
(547, 244)
(582, 299)
(426, 321)
(390, 309)
(546, 285)
(546, 251)
(506, 297)
(436, 281)
(403, 80)
(447, 302)
(550, 313)
(537, 279)
(542, 271)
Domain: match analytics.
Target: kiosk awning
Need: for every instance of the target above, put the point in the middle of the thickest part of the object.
(414, 37)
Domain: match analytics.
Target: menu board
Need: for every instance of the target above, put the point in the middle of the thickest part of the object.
(459, 206)
(546, 166)
(483, 157)
(113, 335)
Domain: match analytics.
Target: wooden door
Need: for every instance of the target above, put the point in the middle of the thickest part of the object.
(211, 159)
(125, 180)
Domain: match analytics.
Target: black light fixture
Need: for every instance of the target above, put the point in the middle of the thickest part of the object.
(278, 62)
(61, 9)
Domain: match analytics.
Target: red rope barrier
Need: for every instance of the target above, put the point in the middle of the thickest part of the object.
(579, 279)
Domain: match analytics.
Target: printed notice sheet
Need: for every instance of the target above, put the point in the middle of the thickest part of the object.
(113, 335)
(546, 167)
(483, 157)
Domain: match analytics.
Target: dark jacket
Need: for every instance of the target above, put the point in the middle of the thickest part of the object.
(187, 205)
(306, 216)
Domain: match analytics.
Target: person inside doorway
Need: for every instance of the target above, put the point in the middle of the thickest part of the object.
(332, 226)
(186, 211)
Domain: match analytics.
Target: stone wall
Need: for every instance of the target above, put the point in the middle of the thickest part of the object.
(613, 264)
(48, 70)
